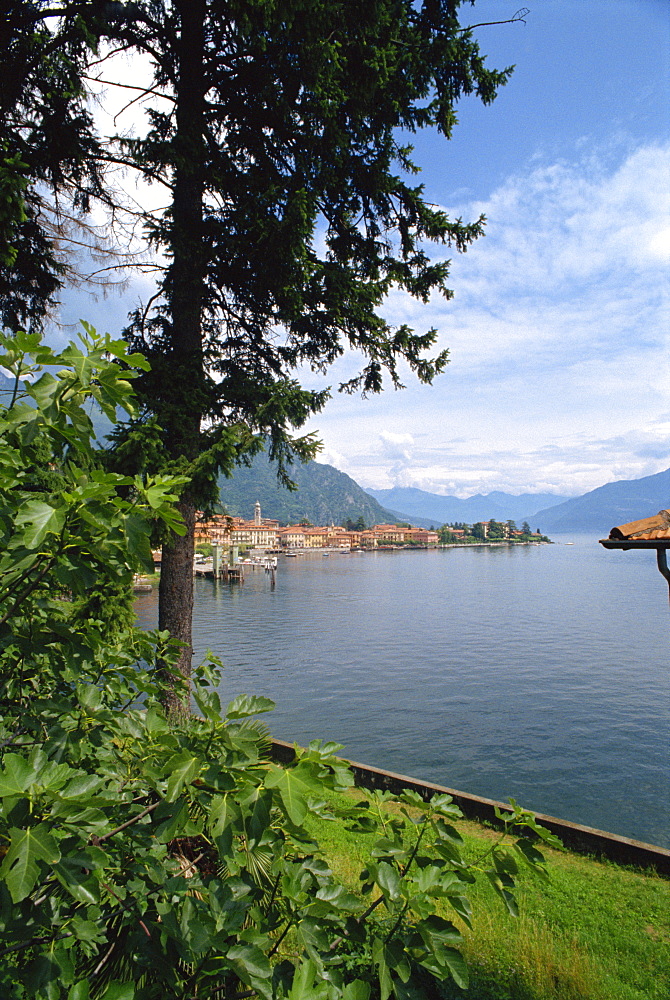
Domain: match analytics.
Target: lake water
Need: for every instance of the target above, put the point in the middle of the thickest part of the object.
(537, 672)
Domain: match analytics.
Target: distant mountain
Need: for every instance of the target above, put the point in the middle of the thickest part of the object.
(400, 517)
(481, 507)
(609, 505)
(6, 387)
(324, 495)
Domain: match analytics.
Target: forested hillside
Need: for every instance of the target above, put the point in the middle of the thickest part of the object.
(324, 495)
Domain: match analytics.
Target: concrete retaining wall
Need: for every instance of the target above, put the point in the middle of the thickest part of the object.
(582, 839)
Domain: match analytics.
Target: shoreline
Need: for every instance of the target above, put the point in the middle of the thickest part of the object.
(149, 581)
(498, 543)
(576, 837)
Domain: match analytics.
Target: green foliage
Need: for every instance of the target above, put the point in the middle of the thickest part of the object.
(597, 931)
(289, 114)
(357, 525)
(12, 207)
(496, 532)
(142, 860)
(49, 169)
(290, 215)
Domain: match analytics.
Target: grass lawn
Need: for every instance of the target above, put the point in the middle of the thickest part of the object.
(152, 578)
(596, 931)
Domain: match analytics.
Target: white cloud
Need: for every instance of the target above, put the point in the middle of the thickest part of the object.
(558, 337)
(563, 244)
(398, 452)
(659, 245)
(398, 446)
(330, 456)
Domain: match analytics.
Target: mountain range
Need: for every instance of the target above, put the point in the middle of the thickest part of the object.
(326, 496)
(609, 505)
(597, 511)
(441, 509)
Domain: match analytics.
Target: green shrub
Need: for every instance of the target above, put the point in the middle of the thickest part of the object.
(143, 860)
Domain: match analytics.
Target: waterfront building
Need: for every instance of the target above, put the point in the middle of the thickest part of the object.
(392, 534)
(222, 529)
(264, 533)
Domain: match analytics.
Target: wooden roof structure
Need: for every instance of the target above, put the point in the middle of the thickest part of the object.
(655, 528)
(648, 533)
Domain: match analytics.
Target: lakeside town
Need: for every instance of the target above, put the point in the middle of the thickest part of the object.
(267, 534)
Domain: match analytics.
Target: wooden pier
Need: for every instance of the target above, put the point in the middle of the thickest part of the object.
(231, 574)
(233, 570)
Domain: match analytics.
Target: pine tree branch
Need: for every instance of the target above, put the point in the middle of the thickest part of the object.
(519, 16)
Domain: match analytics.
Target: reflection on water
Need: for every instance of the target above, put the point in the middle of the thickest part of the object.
(536, 672)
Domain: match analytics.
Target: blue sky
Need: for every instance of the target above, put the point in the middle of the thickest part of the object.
(558, 331)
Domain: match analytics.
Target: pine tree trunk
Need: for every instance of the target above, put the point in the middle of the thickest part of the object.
(185, 369)
(175, 611)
